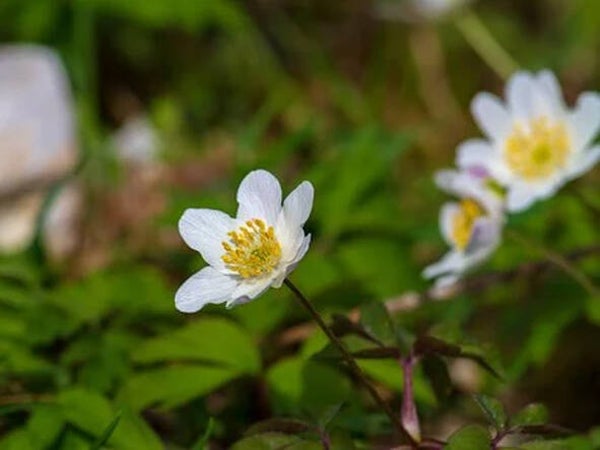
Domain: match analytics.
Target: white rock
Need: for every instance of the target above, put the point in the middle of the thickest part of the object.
(38, 142)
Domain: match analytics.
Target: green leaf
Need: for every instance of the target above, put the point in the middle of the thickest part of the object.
(173, 386)
(267, 441)
(202, 443)
(279, 425)
(493, 410)
(376, 319)
(534, 414)
(45, 425)
(436, 371)
(91, 412)
(107, 433)
(471, 437)
(215, 341)
(342, 326)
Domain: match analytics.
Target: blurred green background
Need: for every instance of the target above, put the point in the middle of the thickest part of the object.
(367, 108)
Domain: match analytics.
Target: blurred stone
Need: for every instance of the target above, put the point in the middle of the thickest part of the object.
(37, 141)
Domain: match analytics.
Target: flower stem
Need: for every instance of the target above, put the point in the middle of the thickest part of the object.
(354, 367)
(409, 416)
(486, 46)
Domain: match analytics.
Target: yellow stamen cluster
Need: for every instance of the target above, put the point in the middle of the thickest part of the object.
(463, 221)
(539, 150)
(252, 250)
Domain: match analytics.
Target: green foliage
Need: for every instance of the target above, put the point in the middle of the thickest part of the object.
(325, 91)
(471, 437)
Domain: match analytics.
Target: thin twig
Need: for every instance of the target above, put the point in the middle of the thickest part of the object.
(354, 367)
(559, 261)
(486, 46)
(411, 300)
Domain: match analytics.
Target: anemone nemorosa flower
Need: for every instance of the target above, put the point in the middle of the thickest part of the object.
(471, 227)
(251, 252)
(535, 143)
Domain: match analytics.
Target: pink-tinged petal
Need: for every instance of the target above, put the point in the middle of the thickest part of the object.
(474, 153)
(585, 161)
(485, 237)
(202, 288)
(585, 120)
(491, 115)
(259, 197)
(204, 230)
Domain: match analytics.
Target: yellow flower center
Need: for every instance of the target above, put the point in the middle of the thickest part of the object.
(538, 150)
(252, 250)
(463, 221)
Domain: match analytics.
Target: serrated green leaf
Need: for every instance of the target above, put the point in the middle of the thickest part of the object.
(471, 437)
(375, 318)
(534, 414)
(493, 410)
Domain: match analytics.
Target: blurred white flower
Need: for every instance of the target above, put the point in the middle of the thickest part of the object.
(136, 141)
(249, 253)
(535, 144)
(417, 10)
(472, 227)
(434, 9)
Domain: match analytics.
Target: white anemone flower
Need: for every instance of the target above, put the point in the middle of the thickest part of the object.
(251, 252)
(535, 143)
(471, 227)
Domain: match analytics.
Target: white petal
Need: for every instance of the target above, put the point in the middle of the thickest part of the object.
(491, 115)
(291, 266)
(206, 286)
(585, 161)
(259, 197)
(295, 212)
(247, 291)
(519, 197)
(298, 205)
(444, 282)
(519, 94)
(547, 81)
(446, 218)
(585, 119)
(204, 230)
(451, 262)
(474, 153)
(445, 179)
(485, 237)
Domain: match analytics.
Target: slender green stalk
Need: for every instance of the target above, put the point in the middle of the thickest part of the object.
(559, 261)
(354, 367)
(486, 46)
